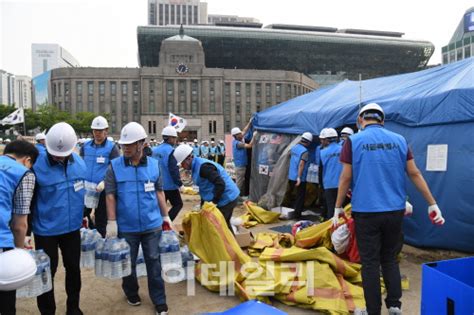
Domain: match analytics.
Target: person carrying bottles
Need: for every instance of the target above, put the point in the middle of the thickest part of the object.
(298, 170)
(58, 212)
(97, 154)
(17, 185)
(172, 184)
(136, 210)
(215, 185)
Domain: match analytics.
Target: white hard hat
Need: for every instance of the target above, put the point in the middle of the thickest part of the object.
(1, 139)
(195, 140)
(307, 136)
(110, 139)
(81, 140)
(322, 133)
(61, 139)
(221, 141)
(372, 107)
(8, 140)
(40, 136)
(17, 268)
(235, 131)
(212, 142)
(131, 133)
(182, 152)
(169, 131)
(99, 123)
(331, 133)
(347, 131)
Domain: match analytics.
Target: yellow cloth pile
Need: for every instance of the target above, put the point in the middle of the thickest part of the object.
(274, 240)
(189, 191)
(256, 215)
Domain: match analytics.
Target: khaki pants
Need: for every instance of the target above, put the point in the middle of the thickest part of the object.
(240, 179)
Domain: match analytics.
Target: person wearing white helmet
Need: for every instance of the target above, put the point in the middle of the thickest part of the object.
(17, 182)
(298, 170)
(213, 151)
(204, 149)
(136, 211)
(97, 154)
(346, 132)
(329, 170)
(215, 185)
(239, 151)
(375, 162)
(60, 176)
(41, 142)
(172, 184)
(221, 153)
(196, 148)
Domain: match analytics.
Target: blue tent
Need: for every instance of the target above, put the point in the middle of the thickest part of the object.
(430, 107)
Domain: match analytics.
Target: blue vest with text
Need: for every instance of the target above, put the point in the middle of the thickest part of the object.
(97, 160)
(11, 173)
(204, 151)
(222, 150)
(162, 154)
(137, 206)
(240, 154)
(206, 188)
(41, 148)
(196, 150)
(60, 196)
(379, 160)
(332, 167)
(296, 153)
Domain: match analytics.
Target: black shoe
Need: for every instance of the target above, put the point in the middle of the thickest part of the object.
(161, 309)
(134, 300)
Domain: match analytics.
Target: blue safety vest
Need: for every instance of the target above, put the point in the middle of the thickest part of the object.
(60, 196)
(222, 150)
(137, 209)
(240, 154)
(97, 158)
(317, 154)
(296, 153)
(41, 148)
(162, 154)
(196, 150)
(206, 188)
(332, 167)
(213, 150)
(204, 151)
(379, 160)
(11, 173)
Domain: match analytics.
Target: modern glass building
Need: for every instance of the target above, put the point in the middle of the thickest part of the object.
(310, 50)
(461, 45)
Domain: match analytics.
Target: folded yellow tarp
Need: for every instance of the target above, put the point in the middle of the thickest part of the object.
(270, 239)
(256, 215)
(189, 191)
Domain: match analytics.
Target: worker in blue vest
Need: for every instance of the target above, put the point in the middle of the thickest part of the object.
(136, 210)
(196, 148)
(330, 169)
(17, 183)
(41, 142)
(239, 151)
(346, 132)
(215, 185)
(172, 184)
(375, 162)
(205, 149)
(298, 170)
(221, 153)
(58, 212)
(213, 151)
(97, 154)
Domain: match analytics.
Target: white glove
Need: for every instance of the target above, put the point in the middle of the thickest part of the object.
(111, 229)
(166, 218)
(435, 215)
(298, 182)
(27, 243)
(100, 186)
(337, 213)
(181, 189)
(408, 209)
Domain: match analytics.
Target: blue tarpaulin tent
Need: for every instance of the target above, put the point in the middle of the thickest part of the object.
(430, 107)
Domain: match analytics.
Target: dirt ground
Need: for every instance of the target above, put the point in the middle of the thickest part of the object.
(101, 296)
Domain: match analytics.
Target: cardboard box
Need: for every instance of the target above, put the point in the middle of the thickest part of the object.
(285, 213)
(243, 236)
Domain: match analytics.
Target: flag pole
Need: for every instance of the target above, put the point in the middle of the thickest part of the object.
(24, 120)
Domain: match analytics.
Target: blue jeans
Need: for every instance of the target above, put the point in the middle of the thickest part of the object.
(151, 253)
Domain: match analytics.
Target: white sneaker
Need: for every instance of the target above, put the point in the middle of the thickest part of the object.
(394, 311)
(359, 311)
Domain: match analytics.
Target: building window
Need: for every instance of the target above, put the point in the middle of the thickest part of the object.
(124, 88)
(101, 88)
(194, 97)
(90, 88)
(190, 15)
(268, 94)
(278, 92)
(169, 95)
(160, 13)
(151, 87)
(183, 9)
(113, 88)
(167, 15)
(248, 105)
(227, 107)
(152, 13)
(178, 9)
(60, 92)
(152, 107)
(467, 52)
(173, 17)
(182, 95)
(212, 127)
(195, 14)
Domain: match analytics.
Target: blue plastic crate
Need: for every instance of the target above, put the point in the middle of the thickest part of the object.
(448, 287)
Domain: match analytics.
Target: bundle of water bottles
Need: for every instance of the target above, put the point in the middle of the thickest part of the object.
(313, 173)
(41, 282)
(174, 260)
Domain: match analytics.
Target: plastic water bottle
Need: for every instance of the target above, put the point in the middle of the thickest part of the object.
(141, 267)
(88, 242)
(170, 256)
(27, 290)
(98, 262)
(106, 267)
(116, 262)
(125, 258)
(41, 282)
(188, 262)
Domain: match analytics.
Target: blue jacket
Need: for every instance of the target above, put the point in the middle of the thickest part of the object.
(11, 173)
(162, 154)
(196, 150)
(206, 188)
(221, 149)
(60, 195)
(332, 167)
(296, 155)
(97, 160)
(137, 209)
(240, 154)
(379, 159)
(204, 151)
(41, 148)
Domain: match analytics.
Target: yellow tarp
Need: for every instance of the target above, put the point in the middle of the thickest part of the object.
(270, 239)
(256, 215)
(189, 191)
